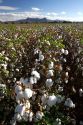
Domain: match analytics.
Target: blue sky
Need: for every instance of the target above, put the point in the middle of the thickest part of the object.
(51, 9)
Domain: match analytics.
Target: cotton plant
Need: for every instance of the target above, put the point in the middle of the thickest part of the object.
(3, 90)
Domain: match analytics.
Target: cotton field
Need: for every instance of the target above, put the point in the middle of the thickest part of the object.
(41, 74)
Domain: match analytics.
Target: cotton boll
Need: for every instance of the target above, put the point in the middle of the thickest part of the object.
(30, 116)
(23, 110)
(50, 73)
(35, 74)
(18, 108)
(81, 122)
(52, 100)
(69, 103)
(13, 122)
(39, 115)
(58, 121)
(26, 115)
(20, 95)
(66, 74)
(41, 57)
(60, 88)
(80, 92)
(27, 104)
(59, 98)
(49, 82)
(18, 89)
(62, 51)
(25, 82)
(51, 65)
(33, 80)
(17, 100)
(66, 52)
(17, 117)
(28, 93)
(44, 99)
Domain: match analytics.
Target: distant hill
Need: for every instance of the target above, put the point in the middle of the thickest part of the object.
(37, 20)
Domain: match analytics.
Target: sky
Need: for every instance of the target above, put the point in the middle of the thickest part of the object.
(11, 10)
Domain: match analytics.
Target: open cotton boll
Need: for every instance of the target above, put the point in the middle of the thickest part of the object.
(58, 121)
(69, 103)
(35, 74)
(62, 50)
(17, 117)
(51, 65)
(52, 100)
(39, 115)
(18, 89)
(25, 81)
(33, 80)
(20, 109)
(41, 57)
(66, 52)
(49, 82)
(17, 100)
(80, 92)
(28, 93)
(26, 115)
(30, 116)
(50, 73)
(59, 98)
(20, 95)
(44, 99)
(13, 122)
(27, 104)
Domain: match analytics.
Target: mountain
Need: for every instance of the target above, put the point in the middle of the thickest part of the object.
(36, 20)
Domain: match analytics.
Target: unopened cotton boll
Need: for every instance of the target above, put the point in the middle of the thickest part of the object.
(50, 73)
(49, 82)
(28, 93)
(66, 52)
(18, 89)
(52, 100)
(69, 103)
(51, 65)
(39, 115)
(35, 74)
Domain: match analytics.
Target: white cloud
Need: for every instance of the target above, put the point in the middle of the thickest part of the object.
(7, 8)
(63, 13)
(12, 16)
(52, 14)
(35, 9)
